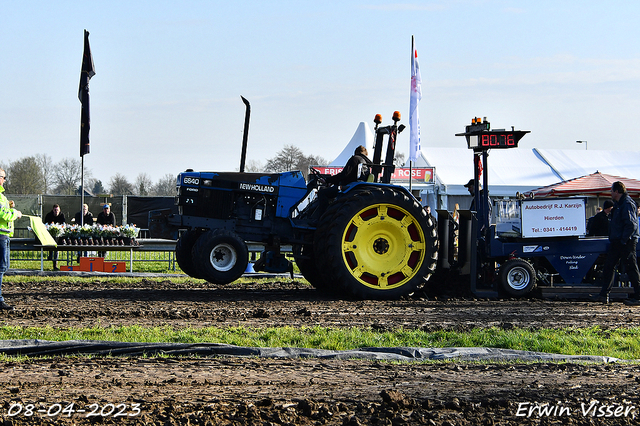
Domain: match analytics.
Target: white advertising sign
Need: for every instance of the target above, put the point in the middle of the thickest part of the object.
(553, 218)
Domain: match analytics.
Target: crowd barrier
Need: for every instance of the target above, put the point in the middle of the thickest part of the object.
(30, 249)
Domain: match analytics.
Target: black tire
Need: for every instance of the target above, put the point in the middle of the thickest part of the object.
(306, 262)
(376, 244)
(183, 253)
(517, 277)
(220, 256)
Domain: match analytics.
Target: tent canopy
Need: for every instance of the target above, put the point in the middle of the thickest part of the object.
(363, 136)
(510, 170)
(597, 184)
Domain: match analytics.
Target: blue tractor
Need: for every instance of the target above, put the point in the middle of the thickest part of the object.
(373, 240)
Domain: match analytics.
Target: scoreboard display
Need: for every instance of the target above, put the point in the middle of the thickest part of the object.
(480, 136)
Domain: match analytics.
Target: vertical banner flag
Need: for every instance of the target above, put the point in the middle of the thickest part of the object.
(416, 95)
(83, 94)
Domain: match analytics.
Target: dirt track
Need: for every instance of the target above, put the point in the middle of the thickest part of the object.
(306, 391)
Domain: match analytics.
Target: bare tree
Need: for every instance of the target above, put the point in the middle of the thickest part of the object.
(119, 185)
(286, 159)
(166, 186)
(67, 174)
(306, 162)
(292, 158)
(253, 166)
(25, 177)
(399, 160)
(143, 185)
(46, 165)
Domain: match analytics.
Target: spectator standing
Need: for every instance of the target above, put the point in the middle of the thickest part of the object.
(85, 217)
(598, 225)
(55, 216)
(7, 216)
(623, 239)
(106, 218)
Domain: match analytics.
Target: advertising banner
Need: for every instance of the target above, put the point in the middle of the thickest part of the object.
(401, 174)
(555, 217)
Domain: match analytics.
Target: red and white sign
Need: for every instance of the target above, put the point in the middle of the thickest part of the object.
(422, 174)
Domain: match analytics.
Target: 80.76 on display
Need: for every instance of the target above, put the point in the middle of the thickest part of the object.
(497, 140)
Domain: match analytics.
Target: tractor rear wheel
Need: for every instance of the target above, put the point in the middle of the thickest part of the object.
(220, 256)
(379, 244)
(306, 262)
(183, 253)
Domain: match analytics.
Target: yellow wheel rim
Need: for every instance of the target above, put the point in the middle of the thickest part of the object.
(383, 246)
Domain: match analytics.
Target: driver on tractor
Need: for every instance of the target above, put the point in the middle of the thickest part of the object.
(358, 168)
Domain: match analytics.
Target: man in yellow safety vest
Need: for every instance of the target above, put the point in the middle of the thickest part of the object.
(7, 216)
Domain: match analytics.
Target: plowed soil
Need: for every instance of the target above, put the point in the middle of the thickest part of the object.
(303, 391)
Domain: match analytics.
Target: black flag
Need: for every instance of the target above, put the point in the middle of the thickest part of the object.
(83, 94)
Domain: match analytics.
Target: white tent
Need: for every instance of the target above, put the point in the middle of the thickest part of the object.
(572, 163)
(519, 170)
(510, 171)
(362, 136)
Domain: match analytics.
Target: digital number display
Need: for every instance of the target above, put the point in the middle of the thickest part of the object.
(493, 140)
(499, 140)
(480, 138)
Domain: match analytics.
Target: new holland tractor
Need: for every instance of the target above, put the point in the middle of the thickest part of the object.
(374, 240)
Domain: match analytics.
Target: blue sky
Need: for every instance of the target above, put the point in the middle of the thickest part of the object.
(169, 76)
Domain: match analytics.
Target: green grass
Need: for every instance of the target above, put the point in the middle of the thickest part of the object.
(620, 343)
(72, 279)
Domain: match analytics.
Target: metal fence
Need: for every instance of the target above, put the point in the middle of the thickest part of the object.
(150, 250)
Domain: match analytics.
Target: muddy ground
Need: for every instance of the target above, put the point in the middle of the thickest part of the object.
(306, 391)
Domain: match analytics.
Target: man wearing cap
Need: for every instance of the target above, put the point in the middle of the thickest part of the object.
(471, 187)
(598, 225)
(106, 217)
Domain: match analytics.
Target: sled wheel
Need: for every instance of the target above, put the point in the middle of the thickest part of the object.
(378, 245)
(183, 253)
(221, 256)
(517, 277)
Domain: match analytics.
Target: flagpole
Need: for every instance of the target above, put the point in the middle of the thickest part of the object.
(87, 71)
(410, 160)
(82, 191)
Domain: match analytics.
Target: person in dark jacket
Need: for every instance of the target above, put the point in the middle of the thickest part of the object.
(55, 216)
(106, 217)
(623, 239)
(85, 217)
(598, 225)
(358, 168)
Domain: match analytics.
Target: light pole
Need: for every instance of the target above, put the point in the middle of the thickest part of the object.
(586, 147)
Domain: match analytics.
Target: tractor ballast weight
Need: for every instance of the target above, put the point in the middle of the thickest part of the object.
(374, 240)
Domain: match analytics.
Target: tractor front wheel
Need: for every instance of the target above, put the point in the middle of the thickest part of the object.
(183, 253)
(220, 256)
